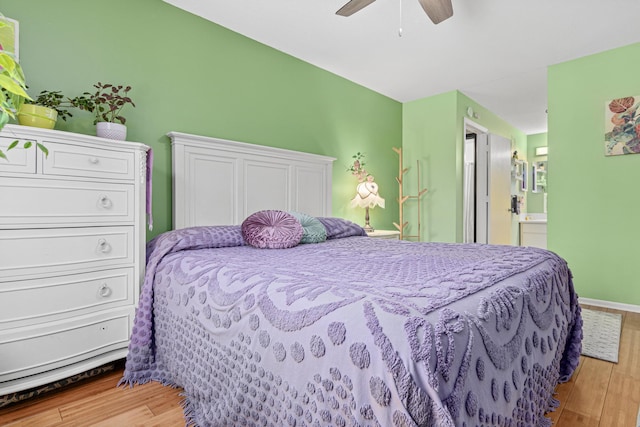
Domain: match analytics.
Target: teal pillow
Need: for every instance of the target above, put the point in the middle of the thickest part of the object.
(312, 230)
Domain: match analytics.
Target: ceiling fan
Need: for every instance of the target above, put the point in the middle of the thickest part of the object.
(437, 10)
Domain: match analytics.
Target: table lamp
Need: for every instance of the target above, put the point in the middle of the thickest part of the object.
(367, 197)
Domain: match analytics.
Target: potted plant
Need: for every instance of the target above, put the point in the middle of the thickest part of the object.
(106, 103)
(13, 93)
(44, 111)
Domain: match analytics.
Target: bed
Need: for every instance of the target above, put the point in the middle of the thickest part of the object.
(352, 331)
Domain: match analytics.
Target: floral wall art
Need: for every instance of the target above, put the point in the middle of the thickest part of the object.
(622, 126)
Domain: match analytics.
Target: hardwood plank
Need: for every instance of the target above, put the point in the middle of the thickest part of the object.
(136, 416)
(574, 419)
(632, 321)
(590, 389)
(621, 402)
(97, 400)
(172, 417)
(169, 399)
(54, 399)
(44, 418)
(109, 403)
(629, 355)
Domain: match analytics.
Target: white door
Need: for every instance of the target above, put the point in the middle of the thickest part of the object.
(493, 210)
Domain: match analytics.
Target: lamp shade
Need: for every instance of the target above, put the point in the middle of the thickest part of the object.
(367, 196)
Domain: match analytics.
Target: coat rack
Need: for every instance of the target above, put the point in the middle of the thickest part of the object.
(402, 198)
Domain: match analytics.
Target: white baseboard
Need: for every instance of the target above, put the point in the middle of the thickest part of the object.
(610, 304)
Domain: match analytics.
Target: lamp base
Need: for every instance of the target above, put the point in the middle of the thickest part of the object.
(367, 227)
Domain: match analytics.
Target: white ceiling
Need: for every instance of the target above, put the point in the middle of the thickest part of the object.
(494, 51)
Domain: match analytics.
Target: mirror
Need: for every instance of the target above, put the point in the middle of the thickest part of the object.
(539, 177)
(525, 178)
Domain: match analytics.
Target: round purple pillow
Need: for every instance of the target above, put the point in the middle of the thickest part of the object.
(271, 229)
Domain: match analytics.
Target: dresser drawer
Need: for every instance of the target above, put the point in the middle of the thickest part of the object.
(24, 302)
(76, 160)
(52, 202)
(19, 160)
(40, 251)
(26, 351)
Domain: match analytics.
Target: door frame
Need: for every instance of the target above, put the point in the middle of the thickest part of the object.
(469, 126)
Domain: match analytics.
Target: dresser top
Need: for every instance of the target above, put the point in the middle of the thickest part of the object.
(31, 132)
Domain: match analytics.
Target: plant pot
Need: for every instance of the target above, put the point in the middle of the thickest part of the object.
(111, 130)
(37, 116)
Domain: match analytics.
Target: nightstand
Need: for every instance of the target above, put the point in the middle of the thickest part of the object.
(385, 234)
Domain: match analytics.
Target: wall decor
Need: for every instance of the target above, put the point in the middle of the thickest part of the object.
(9, 41)
(622, 126)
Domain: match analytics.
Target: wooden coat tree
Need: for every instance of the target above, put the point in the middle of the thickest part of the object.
(402, 198)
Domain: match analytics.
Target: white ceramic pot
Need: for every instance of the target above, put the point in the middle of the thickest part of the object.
(111, 130)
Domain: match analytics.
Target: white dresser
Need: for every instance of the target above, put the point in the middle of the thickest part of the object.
(72, 242)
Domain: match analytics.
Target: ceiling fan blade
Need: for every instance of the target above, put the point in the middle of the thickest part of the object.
(353, 6)
(437, 10)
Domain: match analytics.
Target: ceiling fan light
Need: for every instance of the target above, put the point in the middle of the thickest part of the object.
(437, 10)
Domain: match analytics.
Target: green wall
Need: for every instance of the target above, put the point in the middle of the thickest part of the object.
(535, 201)
(429, 137)
(433, 134)
(193, 76)
(593, 204)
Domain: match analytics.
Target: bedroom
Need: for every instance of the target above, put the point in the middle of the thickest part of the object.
(311, 110)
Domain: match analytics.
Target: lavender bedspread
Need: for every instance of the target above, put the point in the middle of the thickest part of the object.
(355, 331)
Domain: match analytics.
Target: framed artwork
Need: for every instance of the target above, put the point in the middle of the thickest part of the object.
(622, 126)
(9, 36)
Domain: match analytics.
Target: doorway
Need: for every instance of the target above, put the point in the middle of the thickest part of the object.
(486, 186)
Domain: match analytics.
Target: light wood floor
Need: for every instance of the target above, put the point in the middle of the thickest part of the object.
(600, 394)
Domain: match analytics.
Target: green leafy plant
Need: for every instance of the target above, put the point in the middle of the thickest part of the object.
(26, 145)
(13, 89)
(106, 102)
(12, 82)
(13, 93)
(55, 100)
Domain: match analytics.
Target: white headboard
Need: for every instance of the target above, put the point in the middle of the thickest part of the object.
(220, 182)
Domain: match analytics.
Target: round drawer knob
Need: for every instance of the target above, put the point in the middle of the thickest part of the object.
(104, 246)
(94, 160)
(104, 291)
(105, 202)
